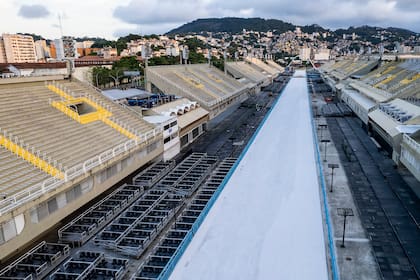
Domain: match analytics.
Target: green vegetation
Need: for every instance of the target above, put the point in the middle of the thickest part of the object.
(35, 36)
(194, 43)
(128, 63)
(233, 25)
(164, 60)
(195, 58)
(102, 76)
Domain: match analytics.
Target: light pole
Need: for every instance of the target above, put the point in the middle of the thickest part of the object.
(325, 141)
(321, 128)
(332, 166)
(345, 212)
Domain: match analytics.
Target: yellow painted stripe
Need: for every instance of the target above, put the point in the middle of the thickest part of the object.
(60, 92)
(119, 128)
(407, 81)
(390, 68)
(28, 156)
(387, 80)
(201, 86)
(101, 114)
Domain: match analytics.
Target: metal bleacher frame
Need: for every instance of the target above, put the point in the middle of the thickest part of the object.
(121, 227)
(159, 262)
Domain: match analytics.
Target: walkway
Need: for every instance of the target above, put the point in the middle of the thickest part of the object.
(267, 222)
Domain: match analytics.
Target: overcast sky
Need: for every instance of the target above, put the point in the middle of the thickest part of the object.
(114, 18)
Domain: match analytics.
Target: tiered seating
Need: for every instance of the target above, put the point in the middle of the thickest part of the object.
(31, 123)
(204, 84)
(350, 67)
(247, 71)
(178, 79)
(28, 115)
(213, 83)
(397, 78)
(37, 262)
(262, 66)
(17, 174)
(127, 117)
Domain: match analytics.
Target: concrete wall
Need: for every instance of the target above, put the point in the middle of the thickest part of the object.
(30, 79)
(33, 230)
(84, 73)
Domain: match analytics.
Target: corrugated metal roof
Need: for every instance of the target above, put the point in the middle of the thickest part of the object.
(362, 100)
(386, 122)
(406, 106)
(116, 94)
(170, 105)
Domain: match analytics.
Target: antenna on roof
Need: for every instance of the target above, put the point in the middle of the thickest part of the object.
(60, 25)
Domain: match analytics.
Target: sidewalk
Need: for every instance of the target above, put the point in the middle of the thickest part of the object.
(356, 260)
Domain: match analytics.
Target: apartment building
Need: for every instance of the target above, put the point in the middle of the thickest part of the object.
(18, 48)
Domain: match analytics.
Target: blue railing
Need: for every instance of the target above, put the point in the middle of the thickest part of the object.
(166, 272)
(334, 267)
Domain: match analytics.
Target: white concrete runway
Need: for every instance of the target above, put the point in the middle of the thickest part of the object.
(267, 222)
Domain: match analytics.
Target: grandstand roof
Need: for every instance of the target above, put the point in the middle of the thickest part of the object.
(266, 222)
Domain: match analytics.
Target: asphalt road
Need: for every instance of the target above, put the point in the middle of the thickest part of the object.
(389, 209)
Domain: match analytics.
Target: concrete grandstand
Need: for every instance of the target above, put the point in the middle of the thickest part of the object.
(206, 85)
(61, 144)
(266, 68)
(120, 229)
(386, 101)
(243, 70)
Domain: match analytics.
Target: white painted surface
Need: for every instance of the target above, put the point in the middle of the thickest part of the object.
(20, 223)
(267, 222)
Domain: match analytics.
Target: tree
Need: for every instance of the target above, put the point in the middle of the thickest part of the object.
(218, 63)
(195, 58)
(100, 76)
(128, 63)
(194, 43)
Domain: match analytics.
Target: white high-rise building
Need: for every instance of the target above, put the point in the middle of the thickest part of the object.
(322, 54)
(305, 54)
(19, 48)
(59, 49)
(41, 50)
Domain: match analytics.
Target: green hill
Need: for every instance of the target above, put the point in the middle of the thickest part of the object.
(233, 25)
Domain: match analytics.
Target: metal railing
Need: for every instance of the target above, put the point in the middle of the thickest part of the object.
(159, 78)
(29, 149)
(31, 193)
(19, 198)
(411, 143)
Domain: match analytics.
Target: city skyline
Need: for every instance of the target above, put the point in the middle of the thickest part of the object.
(111, 19)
